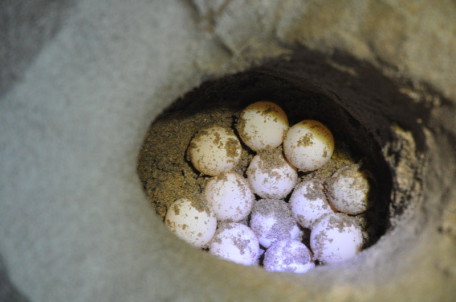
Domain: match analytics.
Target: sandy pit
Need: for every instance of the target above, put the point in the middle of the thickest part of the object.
(306, 88)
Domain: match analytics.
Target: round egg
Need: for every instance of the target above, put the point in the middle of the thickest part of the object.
(229, 196)
(308, 202)
(270, 175)
(194, 224)
(214, 150)
(288, 256)
(271, 220)
(308, 145)
(235, 242)
(262, 125)
(335, 238)
(348, 190)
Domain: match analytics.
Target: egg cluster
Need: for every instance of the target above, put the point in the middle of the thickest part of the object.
(261, 217)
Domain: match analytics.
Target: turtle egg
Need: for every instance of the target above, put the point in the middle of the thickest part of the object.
(335, 238)
(288, 256)
(229, 196)
(262, 125)
(214, 150)
(270, 175)
(235, 242)
(195, 225)
(308, 145)
(348, 190)
(271, 220)
(308, 202)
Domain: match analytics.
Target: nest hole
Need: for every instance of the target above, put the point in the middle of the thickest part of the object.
(370, 116)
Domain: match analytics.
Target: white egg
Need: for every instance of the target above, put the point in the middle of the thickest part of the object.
(348, 190)
(288, 256)
(271, 176)
(335, 238)
(271, 220)
(229, 196)
(194, 224)
(308, 145)
(214, 150)
(308, 202)
(235, 242)
(262, 125)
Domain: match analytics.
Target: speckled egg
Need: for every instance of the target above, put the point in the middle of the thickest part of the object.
(308, 202)
(262, 125)
(335, 238)
(308, 145)
(235, 242)
(229, 196)
(193, 223)
(214, 150)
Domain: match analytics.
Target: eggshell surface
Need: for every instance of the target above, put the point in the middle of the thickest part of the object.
(335, 238)
(308, 202)
(271, 220)
(235, 242)
(214, 150)
(348, 190)
(229, 196)
(288, 256)
(271, 176)
(192, 224)
(308, 145)
(262, 125)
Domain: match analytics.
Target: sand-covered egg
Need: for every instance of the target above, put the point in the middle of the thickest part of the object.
(262, 125)
(235, 242)
(214, 150)
(308, 202)
(288, 256)
(229, 196)
(271, 220)
(335, 238)
(270, 175)
(348, 190)
(193, 223)
(308, 145)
